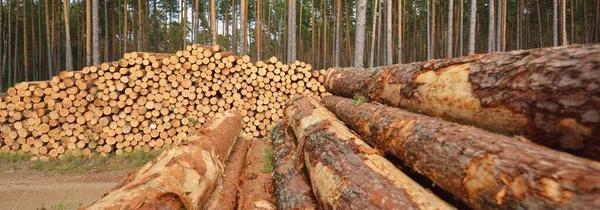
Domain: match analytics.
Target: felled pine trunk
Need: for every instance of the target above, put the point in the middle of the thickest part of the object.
(224, 197)
(292, 187)
(345, 172)
(257, 178)
(182, 177)
(550, 95)
(483, 169)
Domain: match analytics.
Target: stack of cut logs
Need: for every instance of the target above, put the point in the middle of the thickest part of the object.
(313, 161)
(146, 101)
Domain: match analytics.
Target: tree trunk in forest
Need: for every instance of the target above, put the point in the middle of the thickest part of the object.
(184, 24)
(140, 46)
(244, 19)
(68, 52)
(374, 34)
(472, 26)
(400, 35)
(213, 21)
(339, 162)
(554, 22)
(338, 33)
(2, 69)
(433, 40)
(125, 29)
(292, 186)
(9, 67)
(225, 194)
(291, 53)
(557, 117)
(429, 53)
(563, 18)
(460, 33)
(197, 165)
(88, 32)
(106, 32)
(483, 169)
(234, 29)
(389, 46)
(491, 27)
(25, 40)
(313, 34)
(96, 32)
(256, 186)
(16, 46)
(359, 45)
(499, 25)
(450, 28)
(258, 29)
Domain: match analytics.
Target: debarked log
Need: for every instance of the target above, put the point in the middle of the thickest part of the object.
(345, 172)
(182, 177)
(257, 177)
(292, 186)
(483, 169)
(549, 95)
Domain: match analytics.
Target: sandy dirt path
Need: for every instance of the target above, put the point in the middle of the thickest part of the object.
(32, 190)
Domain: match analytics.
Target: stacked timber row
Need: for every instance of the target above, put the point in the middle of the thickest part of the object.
(549, 95)
(146, 101)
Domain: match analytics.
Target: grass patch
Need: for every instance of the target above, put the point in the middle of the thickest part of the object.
(268, 166)
(112, 162)
(359, 99)
(62, 206)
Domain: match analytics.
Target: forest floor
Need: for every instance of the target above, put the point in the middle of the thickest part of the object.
(67, 184)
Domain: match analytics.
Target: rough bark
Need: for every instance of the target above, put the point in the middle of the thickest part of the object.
(291, 54)
(472, 26)
(554, 22)
(483, 169)
(25, 40)
(257, 179)
(563, 18)
(450, 28)
(338, 33)
(225, 194)
(244, 19)
(549, 95)
(373, 34)
(258, 29)
(388, 37)
(88, 32)
(491, 27)
(292, 187)
(96, 32)
(345, 172)
(182, 177)
(68, 53)
(213, 21)
(400, 37)
(359, 45)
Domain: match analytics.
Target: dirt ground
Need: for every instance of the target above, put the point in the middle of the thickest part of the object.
(28, 189)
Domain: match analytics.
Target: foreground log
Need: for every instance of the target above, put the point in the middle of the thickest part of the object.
(345, 172)
(225, 195)
(292, 187)
(257, 179)
(182, 177)
(485, 170)
(550, 95)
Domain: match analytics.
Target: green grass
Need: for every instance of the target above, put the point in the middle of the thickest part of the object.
(268, 166)
(80, 164)
(359, 99)
(62, 206)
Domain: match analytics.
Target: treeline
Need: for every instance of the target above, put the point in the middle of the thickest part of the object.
(36, 36)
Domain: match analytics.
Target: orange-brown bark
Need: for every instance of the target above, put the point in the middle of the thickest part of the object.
(550, 95)
(483, 169)
(182, 177)
(345, 172)
(292, 187)
(257, 181)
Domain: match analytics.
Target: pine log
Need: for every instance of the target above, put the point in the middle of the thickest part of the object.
(549, 95)
(182, 177)
(225, 195)
(257, 183)
(292, 186)
(483, 169)
(345, 172)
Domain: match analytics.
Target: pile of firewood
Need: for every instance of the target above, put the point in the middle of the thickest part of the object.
(314, 161)
(146, 101)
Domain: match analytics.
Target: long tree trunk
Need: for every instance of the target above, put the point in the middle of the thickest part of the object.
(473, 90)
(400, 35)
(25, 40)
(563, 18)
(88, 32)
(554, 22)
(374, 33)
(213, 21)
(2, 47)
(491, 27)
(291, 53)
(472, 26)
(499, 25)
(68, 52)
(16, 46)
(389, 46)
(244, 19)
(359, 44)
(257, 178)
(182, 177)
(125, 29)
(184, 24)
(96, 32)
(461, 28)
(338, 33)
(106, 32)
(234, 28)
(9, 66)
(483, 169)
(339, 162)
(258, 29)
(450, 28)
(292, 186)
(141, 37)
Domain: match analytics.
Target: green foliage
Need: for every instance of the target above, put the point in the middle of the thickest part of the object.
(268, 153)
(7, 158)
(359, 99)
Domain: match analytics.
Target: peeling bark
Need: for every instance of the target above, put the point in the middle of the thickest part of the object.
(257, 182)
(483, 169)
(292, 187)
(182, 177)
(550, 95)
(345, 172)
(225, 195)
